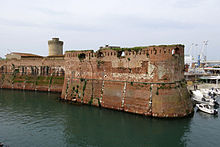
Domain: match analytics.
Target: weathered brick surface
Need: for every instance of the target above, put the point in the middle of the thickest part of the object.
(32, 74)
(29, 82)
(30, 86)
(142, 71)
(137, 98)
(112, 95)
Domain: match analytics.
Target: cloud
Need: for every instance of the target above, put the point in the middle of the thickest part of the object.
(16, 23)
(125, 22)
(188, 4)
(49, 11)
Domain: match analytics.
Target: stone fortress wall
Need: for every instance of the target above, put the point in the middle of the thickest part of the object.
(39, 74)
(142, 80)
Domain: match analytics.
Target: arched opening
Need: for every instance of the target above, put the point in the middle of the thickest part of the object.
(100, 54)
(82, 56)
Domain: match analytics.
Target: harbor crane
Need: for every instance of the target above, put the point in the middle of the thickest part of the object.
(189, 57)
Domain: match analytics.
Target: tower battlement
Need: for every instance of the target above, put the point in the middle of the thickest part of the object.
(148, 51)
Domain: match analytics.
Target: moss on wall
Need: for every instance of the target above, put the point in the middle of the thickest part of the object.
(12, 81)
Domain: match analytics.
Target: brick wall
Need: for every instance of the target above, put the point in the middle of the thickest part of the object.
(128, 80)
(32, 74)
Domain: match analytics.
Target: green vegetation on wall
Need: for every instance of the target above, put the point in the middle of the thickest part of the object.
(91, 100)
(84, 87)
(99, 62)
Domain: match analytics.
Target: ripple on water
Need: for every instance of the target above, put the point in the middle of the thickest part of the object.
(38, 119)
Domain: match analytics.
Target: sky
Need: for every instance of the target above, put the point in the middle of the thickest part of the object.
(27, 25)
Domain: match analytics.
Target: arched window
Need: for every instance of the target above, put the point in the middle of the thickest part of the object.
(165, 50)
(155, 51)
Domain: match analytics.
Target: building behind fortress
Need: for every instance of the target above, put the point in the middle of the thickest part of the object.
(142, 80)
(33, 72)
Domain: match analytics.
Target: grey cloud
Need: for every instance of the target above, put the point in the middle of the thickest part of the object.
(74, 27)
(16, 23)
(128, 21)
(50, 12)
(147, 23)
(188, 3)
(50, 25)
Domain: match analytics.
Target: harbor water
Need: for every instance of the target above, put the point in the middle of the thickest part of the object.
(39, 119)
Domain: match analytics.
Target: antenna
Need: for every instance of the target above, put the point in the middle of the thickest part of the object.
(206, 46)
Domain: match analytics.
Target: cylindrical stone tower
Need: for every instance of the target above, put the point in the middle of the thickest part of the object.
(55, 47)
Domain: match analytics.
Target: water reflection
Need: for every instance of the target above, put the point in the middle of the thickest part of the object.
(38, 119)
(101, 127)
(205, 115)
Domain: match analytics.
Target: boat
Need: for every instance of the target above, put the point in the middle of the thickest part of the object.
(207, 109)
(206, 101)
(1, 144)
(197, 94)
(213, 92)
(199, 98)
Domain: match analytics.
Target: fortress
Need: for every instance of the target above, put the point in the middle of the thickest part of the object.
(143, 80)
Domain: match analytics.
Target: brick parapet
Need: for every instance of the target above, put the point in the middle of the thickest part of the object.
(132, 66)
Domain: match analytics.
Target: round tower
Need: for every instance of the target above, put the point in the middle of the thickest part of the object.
(55, 47)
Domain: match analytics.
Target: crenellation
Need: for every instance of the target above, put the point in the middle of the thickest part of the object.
(107, 53)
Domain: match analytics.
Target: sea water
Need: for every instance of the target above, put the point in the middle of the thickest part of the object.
(39, 119)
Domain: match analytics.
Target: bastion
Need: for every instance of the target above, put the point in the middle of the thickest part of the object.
(142, 80)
